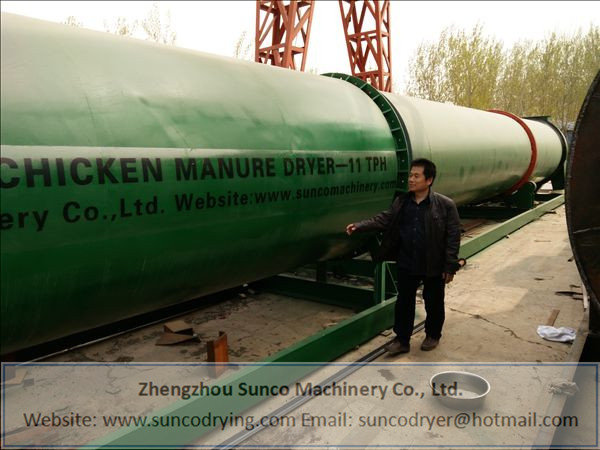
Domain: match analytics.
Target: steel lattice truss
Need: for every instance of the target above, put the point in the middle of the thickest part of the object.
(283, 31)
(368, 40)
(288, 26)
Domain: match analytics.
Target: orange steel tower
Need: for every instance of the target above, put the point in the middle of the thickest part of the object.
(366, 28)
(286, 22)
(368, 40)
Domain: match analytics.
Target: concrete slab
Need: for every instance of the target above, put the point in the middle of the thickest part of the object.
(495, 304)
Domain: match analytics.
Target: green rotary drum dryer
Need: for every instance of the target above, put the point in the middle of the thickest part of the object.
(135, 176)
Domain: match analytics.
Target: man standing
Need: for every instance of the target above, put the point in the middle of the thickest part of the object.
(422, 233)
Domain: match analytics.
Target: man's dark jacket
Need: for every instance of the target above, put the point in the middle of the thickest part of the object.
(442, 232)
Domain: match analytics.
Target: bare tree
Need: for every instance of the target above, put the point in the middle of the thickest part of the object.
(73, 22)
(244, 47)
(158, 26)
(120, 26)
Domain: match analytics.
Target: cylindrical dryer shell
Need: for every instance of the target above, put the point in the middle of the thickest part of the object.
(549, 149)
(138, 175)
(479, 154)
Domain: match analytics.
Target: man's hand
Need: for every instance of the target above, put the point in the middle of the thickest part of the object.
(448, 277)
(350, 229)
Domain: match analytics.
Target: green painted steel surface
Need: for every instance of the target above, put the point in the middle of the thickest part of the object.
(137, 175)
(323, 346)
(479, 154)
(394, 121)
(471, 246)
(549, 149)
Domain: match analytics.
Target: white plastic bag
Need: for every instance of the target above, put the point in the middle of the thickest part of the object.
(562, 334)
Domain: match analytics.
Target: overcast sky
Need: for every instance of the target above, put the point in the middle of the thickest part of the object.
(214, 27)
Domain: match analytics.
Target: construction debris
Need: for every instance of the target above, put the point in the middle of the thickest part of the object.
(176, 332)
(179, 327)
(552, 318)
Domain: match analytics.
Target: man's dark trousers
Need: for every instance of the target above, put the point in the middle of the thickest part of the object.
(433, 295)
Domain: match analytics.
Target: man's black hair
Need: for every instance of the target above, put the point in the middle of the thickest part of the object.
(429, 169)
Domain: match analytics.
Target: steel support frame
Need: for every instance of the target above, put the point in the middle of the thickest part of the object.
(322, 292)
(284, 22)
(384, 274)
(369, 49)
(471, 246)
(321, 347)
(525, 203)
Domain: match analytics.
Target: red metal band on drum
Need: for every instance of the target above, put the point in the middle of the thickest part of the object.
(533, 160)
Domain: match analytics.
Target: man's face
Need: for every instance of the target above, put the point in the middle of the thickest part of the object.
(417, 181)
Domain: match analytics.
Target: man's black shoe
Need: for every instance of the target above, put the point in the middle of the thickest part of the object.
(397, 347)
(429, 344)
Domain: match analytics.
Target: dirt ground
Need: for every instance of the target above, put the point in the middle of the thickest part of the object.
(257, 326)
